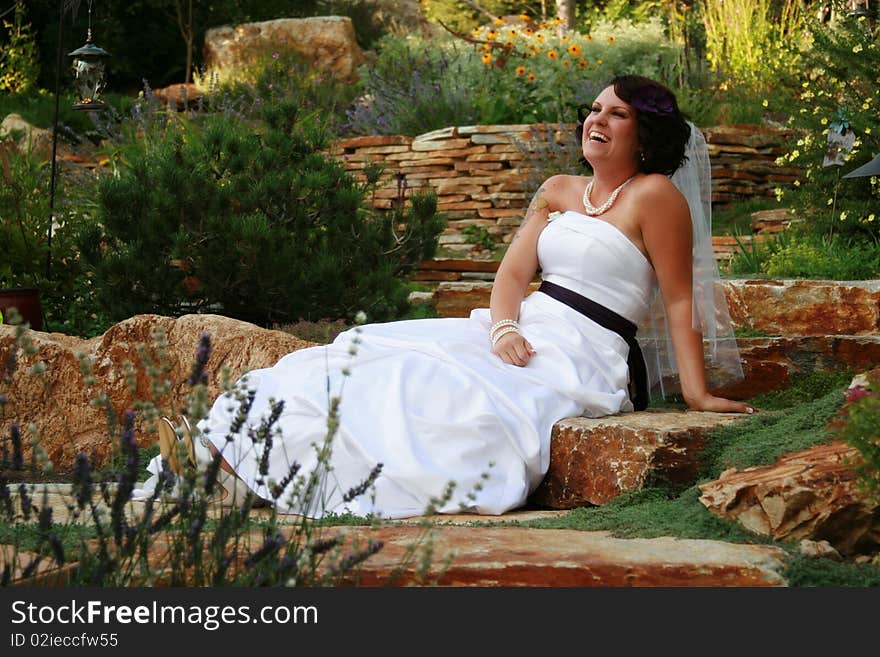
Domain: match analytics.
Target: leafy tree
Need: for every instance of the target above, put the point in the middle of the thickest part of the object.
(19, 59)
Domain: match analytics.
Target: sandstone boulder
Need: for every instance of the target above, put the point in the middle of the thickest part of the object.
(59, 401)
(593, 460)
(179, 97)
(805, 307)
(811, 494)
(327, 42)
(27, 138)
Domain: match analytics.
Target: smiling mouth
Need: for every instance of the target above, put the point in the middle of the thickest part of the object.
(598, 137)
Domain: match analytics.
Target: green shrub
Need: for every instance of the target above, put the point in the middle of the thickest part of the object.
(65, 287)
(838, 90)
(278, 74)
(259, 224)
(801, 253)
(858, 424)
(19, 57)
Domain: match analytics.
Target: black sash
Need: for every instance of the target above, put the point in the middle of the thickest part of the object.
(606, 318)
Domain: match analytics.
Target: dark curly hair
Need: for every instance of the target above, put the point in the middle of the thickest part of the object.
(663, 130)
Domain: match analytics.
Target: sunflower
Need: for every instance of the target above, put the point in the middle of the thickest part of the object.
(491, 34)
(520, 70)
(574, 50)
(552, 54)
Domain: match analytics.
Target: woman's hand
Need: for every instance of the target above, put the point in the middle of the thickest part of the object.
(710, 402)
(514, 349)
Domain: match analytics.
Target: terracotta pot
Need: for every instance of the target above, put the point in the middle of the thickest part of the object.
(26, 301)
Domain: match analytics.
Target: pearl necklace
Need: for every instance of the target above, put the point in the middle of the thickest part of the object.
(592, 210)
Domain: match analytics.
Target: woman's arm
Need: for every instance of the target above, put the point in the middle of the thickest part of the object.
(517, 270)
(667, 234)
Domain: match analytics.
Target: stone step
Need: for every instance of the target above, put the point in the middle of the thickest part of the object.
(773, 307)
(510, 556)
(517, 556)
(593, 460)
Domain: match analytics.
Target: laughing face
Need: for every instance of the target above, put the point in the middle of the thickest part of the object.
(610, 130)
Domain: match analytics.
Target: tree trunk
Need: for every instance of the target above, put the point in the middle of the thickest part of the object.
(565, 13)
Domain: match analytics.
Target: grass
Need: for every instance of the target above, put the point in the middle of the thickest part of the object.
(39, 110)
(798, 420)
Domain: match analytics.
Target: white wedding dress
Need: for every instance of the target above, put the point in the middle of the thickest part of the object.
(430, 401)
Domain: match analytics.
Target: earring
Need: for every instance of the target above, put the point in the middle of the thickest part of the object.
(642, 156)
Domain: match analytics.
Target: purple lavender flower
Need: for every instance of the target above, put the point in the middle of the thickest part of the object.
(198, 374)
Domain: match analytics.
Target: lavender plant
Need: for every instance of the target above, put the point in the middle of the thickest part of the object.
(98, 536)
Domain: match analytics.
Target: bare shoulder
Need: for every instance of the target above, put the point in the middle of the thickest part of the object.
(660, 199)
(563, 190)
(657, 187)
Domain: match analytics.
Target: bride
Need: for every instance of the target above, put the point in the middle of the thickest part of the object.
(473, 401)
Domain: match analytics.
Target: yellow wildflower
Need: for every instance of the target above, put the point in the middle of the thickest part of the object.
(865, 106)
(520, 70)
(528, 32)
(499, 21)
(543, 25)
(857, 48)
(509, 44)
(557, 22)
(843, 215)
(565, 39)
(574, 50)
(589, 38)
(870, 218)
(824, 121)
(491, 34)
(539, 37)
(531, 77)
(610, 40)
(765, 103)
(487, 58)
(598, 62)
(512, 34)
(552, 54)
(525, 16)
(582, 63)
(867, 131)
(566, 63)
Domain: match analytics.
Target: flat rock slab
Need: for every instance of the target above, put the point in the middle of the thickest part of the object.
(592, 461)
(810, 494)
(774, 307)
(515, 556)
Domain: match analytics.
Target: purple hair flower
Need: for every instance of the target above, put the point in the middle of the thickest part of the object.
(653, 100)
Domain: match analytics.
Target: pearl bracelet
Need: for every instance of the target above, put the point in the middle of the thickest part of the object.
(502, 332)
(504, 322)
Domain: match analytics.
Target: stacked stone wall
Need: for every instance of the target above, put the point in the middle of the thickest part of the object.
(484, 176)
